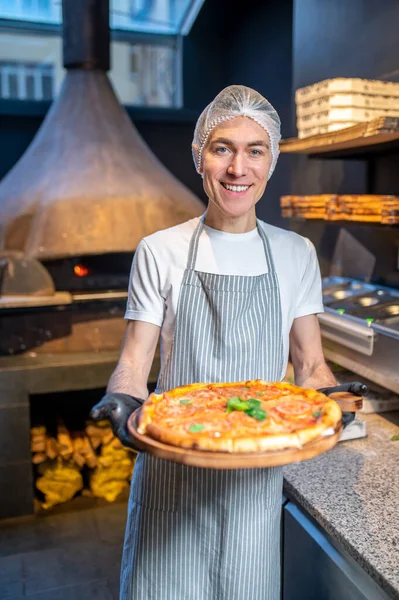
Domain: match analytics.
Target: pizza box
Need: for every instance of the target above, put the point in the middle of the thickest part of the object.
(318, 129)
(342, 115)
(347, 100)
(328, 87)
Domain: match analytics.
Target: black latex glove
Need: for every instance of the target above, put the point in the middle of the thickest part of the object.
(354, 387)
(117, 408)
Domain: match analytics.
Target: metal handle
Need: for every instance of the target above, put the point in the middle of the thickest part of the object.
(344, 332)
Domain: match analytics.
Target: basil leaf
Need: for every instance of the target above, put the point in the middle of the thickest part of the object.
(257, 413)
(251, 407)
(253, 403)
(196, 427)
(250, 411)
(185, 401)
(395, 438)
(236, 403)
(317, 413)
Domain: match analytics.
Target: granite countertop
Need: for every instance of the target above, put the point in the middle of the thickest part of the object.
(353, 493)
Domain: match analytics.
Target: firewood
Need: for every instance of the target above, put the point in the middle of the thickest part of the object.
(38, 431)
(107, 435)
(78, 451)
(64, 442)
(38, 445)
(38, 439)
(97, 431)
(91, 458)
(51, 447)
(101, 430)
(116, 443)
(92, 430)
(79, 459)
(93, 426)
(38, 458)
(95, 441)
(59, 482)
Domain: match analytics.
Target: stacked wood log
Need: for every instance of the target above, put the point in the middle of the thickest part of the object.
(331, 207)
(309, 207)
(59, 481)
(113, 472)
(66, 460)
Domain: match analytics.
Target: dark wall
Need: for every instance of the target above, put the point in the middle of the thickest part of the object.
(16, 133)
(260, 56)
(233, 42)
(171, 142)
(338, 38)
(205, 55)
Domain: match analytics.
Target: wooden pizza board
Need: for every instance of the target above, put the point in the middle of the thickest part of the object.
(225, 460)
(347, 402)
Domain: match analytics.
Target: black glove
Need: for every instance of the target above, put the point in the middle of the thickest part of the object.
(117, 408)
(354, 387)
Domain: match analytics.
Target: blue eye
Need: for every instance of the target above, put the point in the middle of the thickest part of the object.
(256, 152)
(221, 150)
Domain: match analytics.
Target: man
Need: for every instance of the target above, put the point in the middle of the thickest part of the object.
(231, 296)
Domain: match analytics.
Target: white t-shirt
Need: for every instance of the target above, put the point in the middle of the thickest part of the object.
(161, 258)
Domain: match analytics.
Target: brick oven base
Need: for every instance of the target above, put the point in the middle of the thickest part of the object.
(21, 376)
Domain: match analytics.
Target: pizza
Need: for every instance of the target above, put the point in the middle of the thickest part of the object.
(244, 417)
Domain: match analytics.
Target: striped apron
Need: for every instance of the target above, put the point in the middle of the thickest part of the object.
(205, 534)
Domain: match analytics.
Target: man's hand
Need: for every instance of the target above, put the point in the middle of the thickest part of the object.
(117, 408)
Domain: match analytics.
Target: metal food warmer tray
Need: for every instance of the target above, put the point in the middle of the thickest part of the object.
(360, 329)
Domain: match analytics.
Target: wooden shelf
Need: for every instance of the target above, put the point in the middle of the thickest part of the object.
(342, 223)
(378, 136)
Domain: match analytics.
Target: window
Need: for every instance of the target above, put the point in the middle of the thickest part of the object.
(155, 75)
(135, 56)
(140, 9)
(146, 69)
(171, 17)
(31, 10)
(24, 81)
(37, 8)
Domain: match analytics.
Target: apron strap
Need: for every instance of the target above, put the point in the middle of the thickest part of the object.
(193, 248)
(194, 243)
(268, 253)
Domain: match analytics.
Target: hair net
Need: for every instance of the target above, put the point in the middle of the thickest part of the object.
(237, 101)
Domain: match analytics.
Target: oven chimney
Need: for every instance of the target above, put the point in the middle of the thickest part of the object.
(88, 184)
(86, 34)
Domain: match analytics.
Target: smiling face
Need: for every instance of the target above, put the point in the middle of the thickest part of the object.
(235, 166)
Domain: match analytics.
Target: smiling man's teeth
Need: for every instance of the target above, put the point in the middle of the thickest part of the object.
(235, 188)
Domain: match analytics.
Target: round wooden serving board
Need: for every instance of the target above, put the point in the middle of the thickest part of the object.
(225, 460)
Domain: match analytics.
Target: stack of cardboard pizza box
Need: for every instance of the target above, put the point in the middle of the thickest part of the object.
(334, 104)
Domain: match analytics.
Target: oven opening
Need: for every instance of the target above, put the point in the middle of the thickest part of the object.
(98, 272)
(76, 462)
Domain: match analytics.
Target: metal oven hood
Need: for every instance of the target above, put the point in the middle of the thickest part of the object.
(88, 184)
